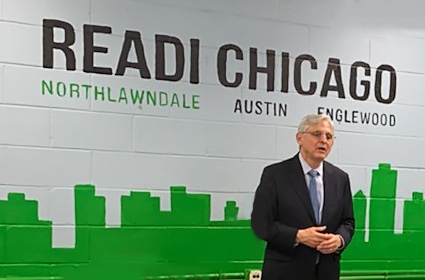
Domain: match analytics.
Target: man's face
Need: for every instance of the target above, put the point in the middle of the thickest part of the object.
(316, 142)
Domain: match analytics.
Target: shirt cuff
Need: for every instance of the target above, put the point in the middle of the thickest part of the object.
(339, 249)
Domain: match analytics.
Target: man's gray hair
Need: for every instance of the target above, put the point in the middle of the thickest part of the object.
(314, 119)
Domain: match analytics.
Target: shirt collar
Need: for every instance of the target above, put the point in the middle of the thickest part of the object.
(306, 168)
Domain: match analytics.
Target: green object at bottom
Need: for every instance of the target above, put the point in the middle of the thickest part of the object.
(184, 243)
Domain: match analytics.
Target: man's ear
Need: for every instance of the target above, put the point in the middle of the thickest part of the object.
(298, 137)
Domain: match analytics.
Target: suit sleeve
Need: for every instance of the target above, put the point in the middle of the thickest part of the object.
(346, 228)
(264, 216)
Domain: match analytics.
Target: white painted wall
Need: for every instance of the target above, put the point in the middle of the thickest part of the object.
(49, 143)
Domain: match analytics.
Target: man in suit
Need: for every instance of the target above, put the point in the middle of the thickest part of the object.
(303, 209)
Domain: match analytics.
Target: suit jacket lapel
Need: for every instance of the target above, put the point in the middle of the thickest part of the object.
(328, 191)
(298, 182)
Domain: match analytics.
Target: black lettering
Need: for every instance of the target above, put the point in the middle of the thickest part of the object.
(285, 72)
(375, 118)
(338, 115)
(90, 49)
(353, 81)
(346, 118)
(238, 106)
(49, 44)
(160, 74)
(268, 103)
(378, 84)
(365, 118)
(283, 109)
(355, 115)
(249, 104)
(392, 120)
(333, 69)
(222, 65)
(194, 61)
(254, 69)
(123, 63)
(258, 107)
(297, 74)
(384, 119)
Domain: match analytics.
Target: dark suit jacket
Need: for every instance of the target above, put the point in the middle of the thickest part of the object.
(282, 205)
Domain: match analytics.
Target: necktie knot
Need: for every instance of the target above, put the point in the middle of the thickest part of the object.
(313, 173)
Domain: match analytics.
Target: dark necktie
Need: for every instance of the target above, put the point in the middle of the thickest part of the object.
(313, 194)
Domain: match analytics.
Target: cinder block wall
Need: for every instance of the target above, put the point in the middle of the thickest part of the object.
(133, 130)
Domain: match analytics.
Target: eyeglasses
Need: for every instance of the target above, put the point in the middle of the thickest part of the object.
(319, 135)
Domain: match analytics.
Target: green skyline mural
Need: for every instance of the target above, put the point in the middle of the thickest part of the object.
(184, 241)
(385, 249)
